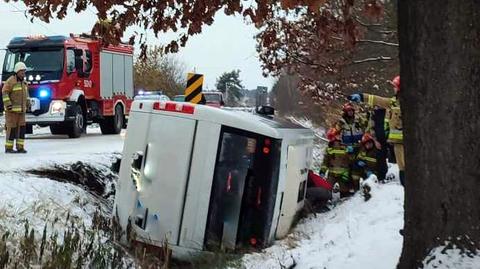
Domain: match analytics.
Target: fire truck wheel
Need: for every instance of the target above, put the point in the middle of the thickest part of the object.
(113, 124)
(77, 127)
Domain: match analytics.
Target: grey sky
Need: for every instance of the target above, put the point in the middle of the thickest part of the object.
(226, 45)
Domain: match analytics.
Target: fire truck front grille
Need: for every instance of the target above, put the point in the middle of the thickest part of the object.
(44, 102)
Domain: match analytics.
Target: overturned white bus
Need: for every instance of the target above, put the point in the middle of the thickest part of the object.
(203, 178)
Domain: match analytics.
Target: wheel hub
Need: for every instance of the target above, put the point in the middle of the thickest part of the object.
(79, 121)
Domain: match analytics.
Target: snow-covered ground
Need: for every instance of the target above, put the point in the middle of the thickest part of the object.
(450, 257)
(45, 149)
(42, 201)
(26, 196)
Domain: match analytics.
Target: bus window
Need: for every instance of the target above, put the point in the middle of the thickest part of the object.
(235, 158)
(243, 190)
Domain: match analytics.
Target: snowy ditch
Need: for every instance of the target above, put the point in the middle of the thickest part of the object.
(98, 180)
(57, 216)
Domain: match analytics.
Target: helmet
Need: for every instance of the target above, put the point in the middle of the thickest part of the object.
(333, 135)
(19, 66)
(347, 107)
(367, 137)
(396, 83)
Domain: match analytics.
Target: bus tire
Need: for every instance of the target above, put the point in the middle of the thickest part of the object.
(113, 124)
(77, 127)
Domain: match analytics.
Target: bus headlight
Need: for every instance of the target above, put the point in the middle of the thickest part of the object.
(57, 106)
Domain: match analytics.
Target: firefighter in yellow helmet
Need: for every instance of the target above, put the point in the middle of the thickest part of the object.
(396, 128)
(16, 101)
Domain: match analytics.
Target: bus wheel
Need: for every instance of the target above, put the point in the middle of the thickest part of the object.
(77, 127)
(113, 124)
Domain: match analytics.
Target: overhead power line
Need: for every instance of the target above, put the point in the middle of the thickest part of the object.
(17, 9)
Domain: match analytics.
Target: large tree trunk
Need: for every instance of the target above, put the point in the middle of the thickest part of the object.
(440, 99)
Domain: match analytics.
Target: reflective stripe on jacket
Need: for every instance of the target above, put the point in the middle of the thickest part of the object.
(395, 120)
(337, 162)
(15, 94)
(351, 132)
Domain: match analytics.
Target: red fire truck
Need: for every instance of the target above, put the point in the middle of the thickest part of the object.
(74, 81)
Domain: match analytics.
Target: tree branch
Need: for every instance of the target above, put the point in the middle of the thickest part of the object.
(308, 62)
(379, 42)
(387, 32)
(376, 59)
(367, 24)
(372, 27)
(299, 60)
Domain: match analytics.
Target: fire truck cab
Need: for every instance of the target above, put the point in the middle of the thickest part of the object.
(74, 81)
(206, 179)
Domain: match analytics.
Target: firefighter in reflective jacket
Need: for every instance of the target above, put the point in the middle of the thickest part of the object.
(365, 162)
(395, 135)
(350, 128)
(336, 162)
(16, 101)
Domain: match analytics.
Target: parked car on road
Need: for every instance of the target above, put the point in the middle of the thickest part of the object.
(151, 95)
(214, 99)
(179, 98)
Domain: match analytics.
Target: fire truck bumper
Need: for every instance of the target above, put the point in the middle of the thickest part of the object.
(45, 118)
(52, 116)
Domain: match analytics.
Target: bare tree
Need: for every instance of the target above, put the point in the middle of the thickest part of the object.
(162, 72)
(333, 52)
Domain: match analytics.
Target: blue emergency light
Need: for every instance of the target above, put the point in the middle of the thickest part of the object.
(44, 92)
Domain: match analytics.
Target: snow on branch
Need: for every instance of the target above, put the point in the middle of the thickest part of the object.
(377, 42)
(375, 59)
(367, 24)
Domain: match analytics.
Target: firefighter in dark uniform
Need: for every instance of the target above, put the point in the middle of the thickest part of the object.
(16, 101)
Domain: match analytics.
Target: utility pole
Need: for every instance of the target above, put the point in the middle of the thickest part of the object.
(227, 95)
(261, 96)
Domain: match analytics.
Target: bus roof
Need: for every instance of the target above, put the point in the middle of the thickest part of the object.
(272, 127)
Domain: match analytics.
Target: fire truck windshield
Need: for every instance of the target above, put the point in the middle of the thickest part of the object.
(36, 60)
